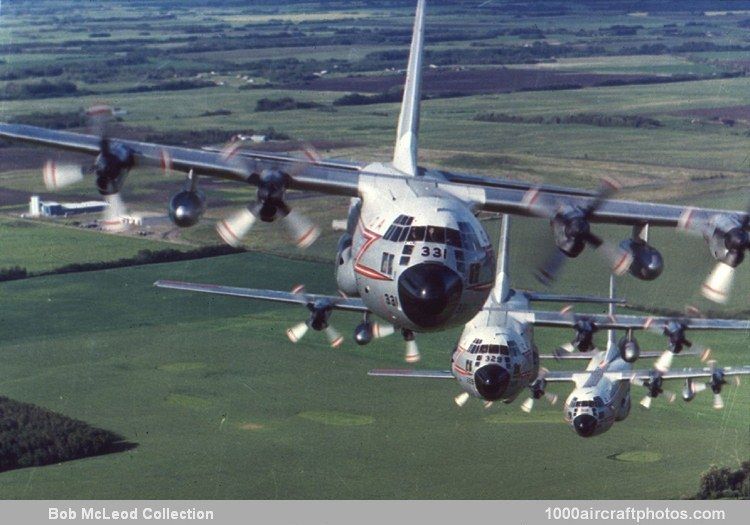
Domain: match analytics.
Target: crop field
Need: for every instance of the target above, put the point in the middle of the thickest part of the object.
(216, 399)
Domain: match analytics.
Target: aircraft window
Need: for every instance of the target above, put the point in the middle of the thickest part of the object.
(435, 234)
(484, 349)
(504, 349)
(404, 260)
(452, 237)
(459, 255)
(408, 249)
(494, 349)
(400, 219)
(468, 238)
(403, 234)
(473, 273)
(417, 233)
(488, 268)
(389, 232)
(386, 264)
(408, 221)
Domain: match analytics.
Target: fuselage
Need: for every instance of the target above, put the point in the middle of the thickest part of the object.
(417, 256)
(496, 358)
(598, 401)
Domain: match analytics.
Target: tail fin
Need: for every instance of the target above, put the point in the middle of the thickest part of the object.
(405, 152)
(611, 335)
(502, 279)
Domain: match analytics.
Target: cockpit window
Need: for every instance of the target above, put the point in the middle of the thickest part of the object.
(435, 234)
(468, 239)
(417, 233)
(452, 237)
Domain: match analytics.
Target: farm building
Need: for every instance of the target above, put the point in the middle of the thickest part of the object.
(38, 207)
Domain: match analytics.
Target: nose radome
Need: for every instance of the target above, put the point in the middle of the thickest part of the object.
(585, 425)
(491, 381)
(429, 293)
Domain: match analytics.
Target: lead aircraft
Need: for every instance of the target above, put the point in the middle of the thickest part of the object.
(413, 252)
(496, 358)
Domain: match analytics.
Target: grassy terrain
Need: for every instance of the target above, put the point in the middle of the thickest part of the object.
(221, 405)
(42, 247)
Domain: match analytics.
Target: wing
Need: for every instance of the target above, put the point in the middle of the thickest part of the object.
(340, 178)
(685, 373)
(505, 200)
(562, 376)
(429, 374)
(328, 177)
(624, 322)
(586, 356)
(337, 303)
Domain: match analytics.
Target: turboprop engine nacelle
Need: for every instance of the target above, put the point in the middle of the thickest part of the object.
(647, 262)
(187, 207)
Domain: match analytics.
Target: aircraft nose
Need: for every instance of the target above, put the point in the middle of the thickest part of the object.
(491, 381)
(429, 293)
(585, 425)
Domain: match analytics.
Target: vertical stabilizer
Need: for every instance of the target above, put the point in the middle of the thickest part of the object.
(405, 153)
(612, 350)
(502, 279)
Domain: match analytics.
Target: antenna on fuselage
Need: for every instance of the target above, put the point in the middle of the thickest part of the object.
(405, 152)
(501, 289)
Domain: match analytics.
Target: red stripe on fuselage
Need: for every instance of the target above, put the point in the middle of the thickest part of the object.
(361, 269)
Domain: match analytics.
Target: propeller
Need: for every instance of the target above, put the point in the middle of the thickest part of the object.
(728, 239)
(320, 314)
(461, 399)
(110, 168)
(572, 231)
(674, 330)
(585, 329)
(366, 331)
(716, 383)
(412, 354)
(538, 391)
(654, 385)
(270, 204)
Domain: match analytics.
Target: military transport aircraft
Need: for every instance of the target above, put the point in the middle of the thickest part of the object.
(413, 249)
(496, 358)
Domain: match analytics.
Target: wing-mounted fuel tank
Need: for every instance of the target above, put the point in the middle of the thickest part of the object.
(345, 278)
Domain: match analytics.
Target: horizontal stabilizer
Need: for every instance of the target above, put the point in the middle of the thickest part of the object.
(429, 374)
(561, 298)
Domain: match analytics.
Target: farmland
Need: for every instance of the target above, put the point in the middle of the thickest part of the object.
(218, 402)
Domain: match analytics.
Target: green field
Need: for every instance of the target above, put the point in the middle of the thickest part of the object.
(221, 405)
(219, 402)
(41, 247)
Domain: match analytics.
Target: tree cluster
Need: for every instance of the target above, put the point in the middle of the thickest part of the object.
(33, 436)
(591, 119)
(718, 483)
(283, 104)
